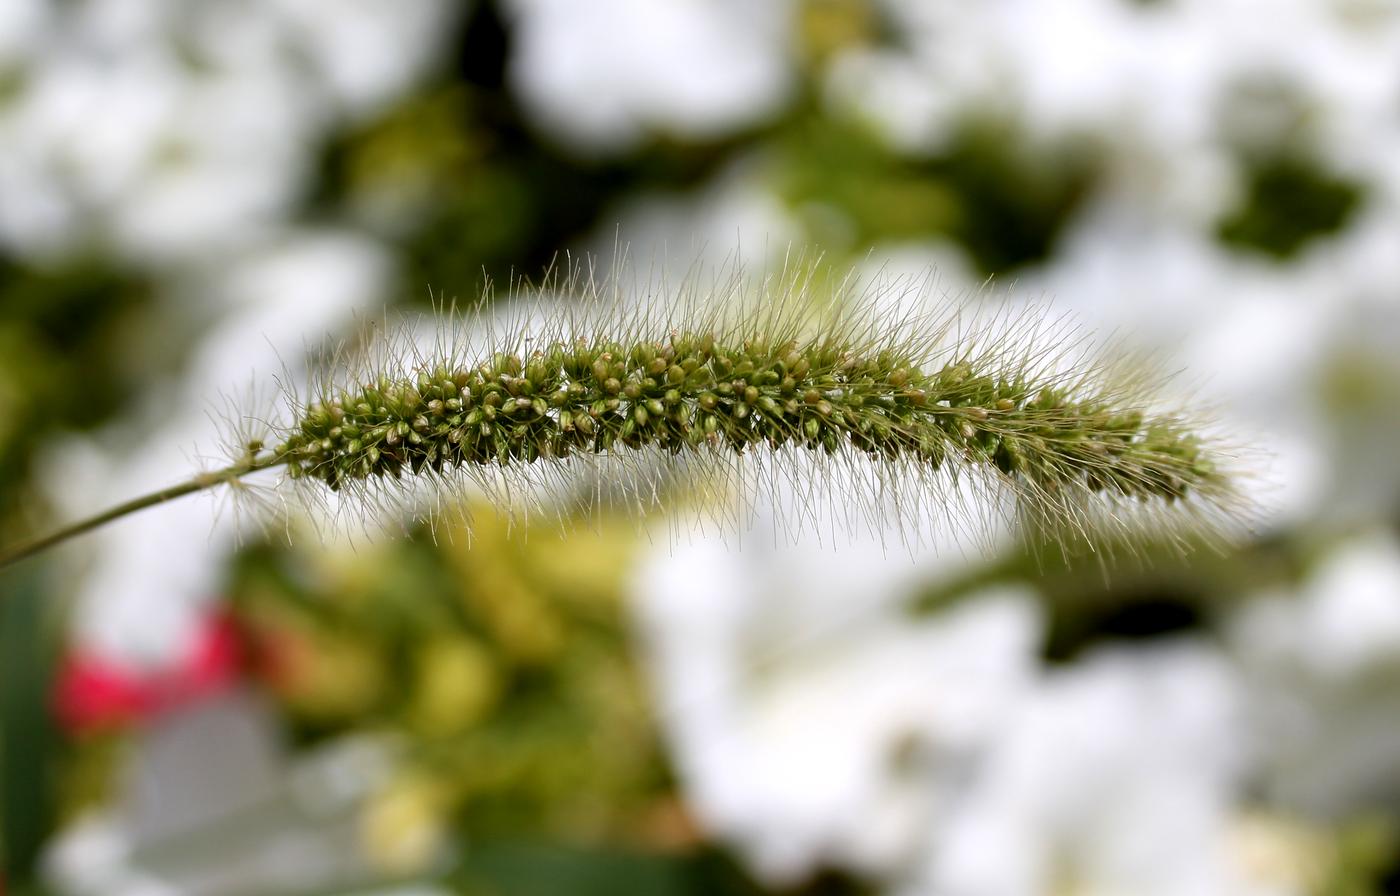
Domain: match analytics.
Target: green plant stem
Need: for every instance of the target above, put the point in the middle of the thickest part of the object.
(20, 550)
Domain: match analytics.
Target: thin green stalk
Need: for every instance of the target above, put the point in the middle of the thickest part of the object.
(20, 550)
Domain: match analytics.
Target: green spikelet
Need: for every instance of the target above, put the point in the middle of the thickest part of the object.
(693, 392)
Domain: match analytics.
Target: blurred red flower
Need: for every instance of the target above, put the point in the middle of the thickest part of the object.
(94, 693)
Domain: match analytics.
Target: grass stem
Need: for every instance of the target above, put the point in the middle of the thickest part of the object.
(20, 550)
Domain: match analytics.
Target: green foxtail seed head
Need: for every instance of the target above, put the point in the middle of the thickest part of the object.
(910, 395)
(902, 402)
(692, 391)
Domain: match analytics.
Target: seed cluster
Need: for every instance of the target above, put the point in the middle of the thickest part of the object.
(693, 392)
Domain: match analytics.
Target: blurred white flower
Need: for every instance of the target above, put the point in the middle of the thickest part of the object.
(1323, 667)
(118, 138)
(94, 856)
(1117, 767)
(813, 723)
(606, 73)
(21, 27)
(364, 53)
(289, 828)
(914, 91)
(733, 220)
(1155, 86)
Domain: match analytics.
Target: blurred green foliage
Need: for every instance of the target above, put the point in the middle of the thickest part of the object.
(67, 334)
(1289, 202)
(988, 190)
(503, 666)
(533, 869)
(29, 742)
